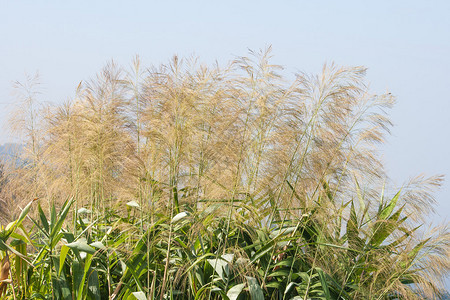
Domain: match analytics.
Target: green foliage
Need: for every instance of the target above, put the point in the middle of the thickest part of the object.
(112, 257)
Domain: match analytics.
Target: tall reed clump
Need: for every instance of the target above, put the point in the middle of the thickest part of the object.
(199, 182)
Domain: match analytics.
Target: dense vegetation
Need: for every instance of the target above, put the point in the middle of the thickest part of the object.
(194, 182)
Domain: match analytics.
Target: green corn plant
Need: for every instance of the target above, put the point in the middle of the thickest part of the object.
(17, 246)
(44, 283)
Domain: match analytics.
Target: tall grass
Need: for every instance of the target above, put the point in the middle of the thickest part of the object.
(200, 182)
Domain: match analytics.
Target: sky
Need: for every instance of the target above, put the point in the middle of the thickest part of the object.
(404, 44)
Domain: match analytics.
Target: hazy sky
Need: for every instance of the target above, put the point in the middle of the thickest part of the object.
(405, 45)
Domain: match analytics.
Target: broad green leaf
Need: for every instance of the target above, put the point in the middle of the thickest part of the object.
(404, 237)
(56, 227)
(77, 277)
(384, 228)
(407, 280)
(98, 245)
(386, 212)
(22, 234)
(199, 260)
(221, 266)
(135, 267)
(139, 295)
(417, 248)
(53, 215)
(289, 287)
(179, 216)
(285, 262)
(44, 221)
(228, 257)
(81, 245)
(280, 273)
(324, 284)
(305, 277)
(13, 225)
(93, 285)
(254, 288)
(61, 289)
(235, 291)
(264, 250)
(38, 296)
(352, 229)
(282, 231)
(87, 267)
(62, 258)
(6, 247)
(175, 199)
(274, 284)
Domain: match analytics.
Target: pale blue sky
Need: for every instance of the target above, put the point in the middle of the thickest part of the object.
(405, 45)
